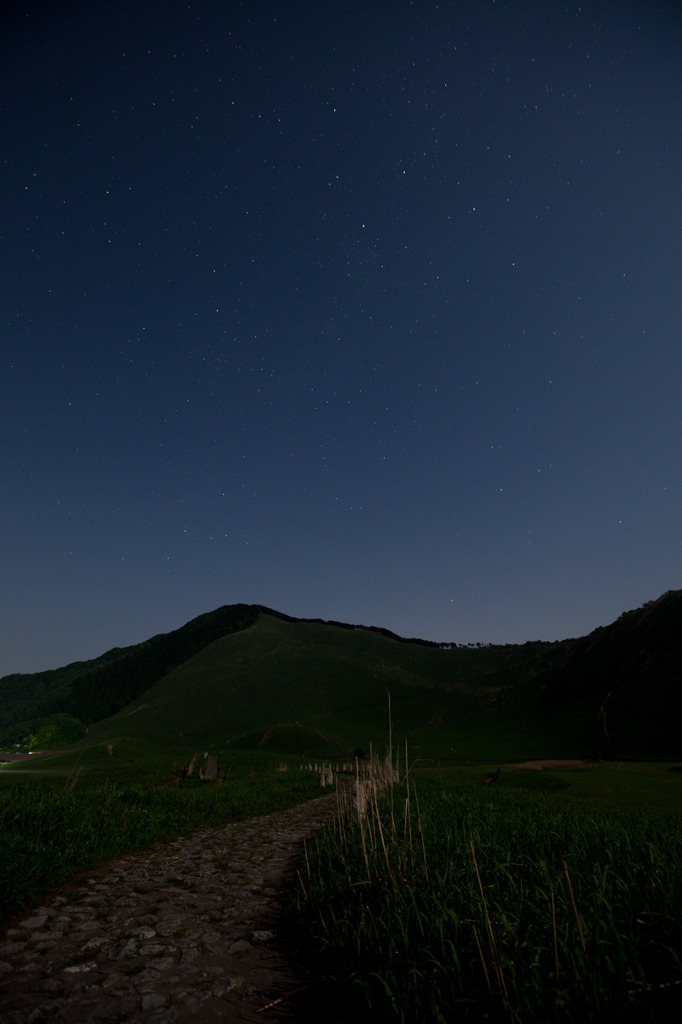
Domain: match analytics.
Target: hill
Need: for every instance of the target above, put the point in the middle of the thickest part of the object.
(317, 689)
(92, 690)
(628, 679)
(247, 677)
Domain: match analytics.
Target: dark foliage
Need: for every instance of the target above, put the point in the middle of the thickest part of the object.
(628, 676)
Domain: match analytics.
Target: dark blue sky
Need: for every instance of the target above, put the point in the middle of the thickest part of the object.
(360, 310)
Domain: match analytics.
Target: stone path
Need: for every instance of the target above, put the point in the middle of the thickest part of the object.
(184, 931)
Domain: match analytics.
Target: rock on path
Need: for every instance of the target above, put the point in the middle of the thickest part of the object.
(184, 931)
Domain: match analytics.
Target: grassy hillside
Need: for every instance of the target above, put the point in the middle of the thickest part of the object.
(316, 690)
(92, 690)
(88, 691)
(247, 678)
(320, 691)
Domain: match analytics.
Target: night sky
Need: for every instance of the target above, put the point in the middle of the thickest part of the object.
(361, 310)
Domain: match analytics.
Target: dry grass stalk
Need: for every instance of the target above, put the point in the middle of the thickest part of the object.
(491, 935)
(421, 835)
(407, 831)
(364, 850)
(556, 944)
(575, 909)
(583, 945)
(480, 953)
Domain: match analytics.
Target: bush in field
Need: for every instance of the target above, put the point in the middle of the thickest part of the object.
(56, 731)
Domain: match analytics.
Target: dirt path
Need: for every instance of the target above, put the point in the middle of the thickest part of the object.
(184, 931)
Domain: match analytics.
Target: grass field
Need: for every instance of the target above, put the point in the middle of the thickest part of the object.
(545, 897)
(55, 823)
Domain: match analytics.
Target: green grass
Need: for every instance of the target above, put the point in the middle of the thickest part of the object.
(454, 900)
(548, 896)
(629, 786)
(634, 786)
(55, 824)
(313, 688)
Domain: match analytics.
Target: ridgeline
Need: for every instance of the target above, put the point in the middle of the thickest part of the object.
(247, 677)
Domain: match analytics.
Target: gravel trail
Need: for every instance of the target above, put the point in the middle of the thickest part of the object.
(187, 930)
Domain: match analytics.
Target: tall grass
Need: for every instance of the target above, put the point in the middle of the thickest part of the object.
(484, 903)
(52, 830)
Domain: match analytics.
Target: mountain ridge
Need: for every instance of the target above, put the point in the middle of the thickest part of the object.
(601, 683)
